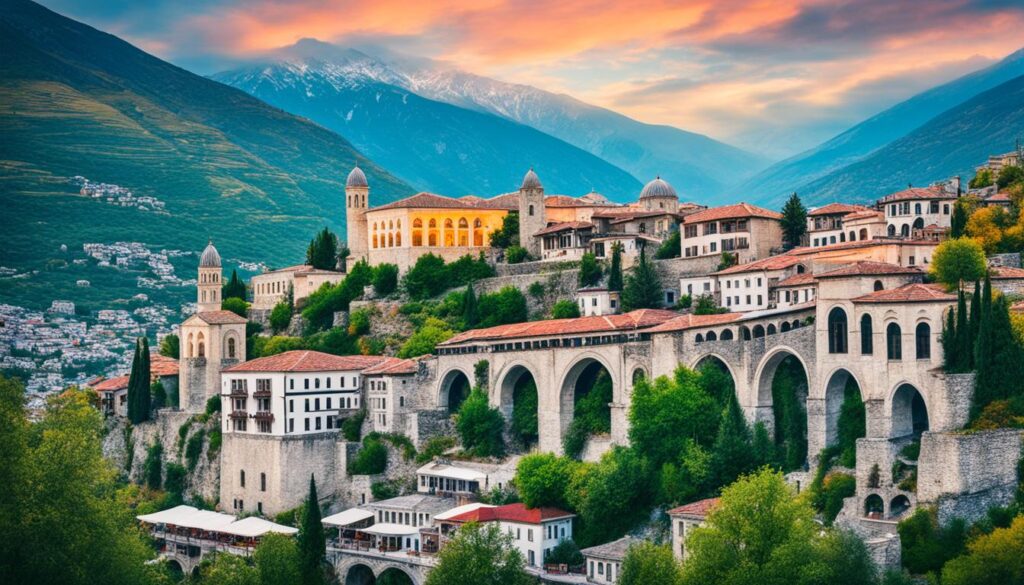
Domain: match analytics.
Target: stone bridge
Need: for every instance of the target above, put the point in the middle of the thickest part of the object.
(357, 567)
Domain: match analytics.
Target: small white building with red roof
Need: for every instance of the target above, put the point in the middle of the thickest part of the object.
(685, 519)
(534, 531)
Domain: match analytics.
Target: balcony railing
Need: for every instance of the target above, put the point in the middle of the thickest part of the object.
(263, 415)
(239, 414)
(261, 394)
(239, 393)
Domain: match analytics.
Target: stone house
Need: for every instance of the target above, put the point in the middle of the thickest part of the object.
(604, 561)
(748, 231)
(684, 519)
(270, 288)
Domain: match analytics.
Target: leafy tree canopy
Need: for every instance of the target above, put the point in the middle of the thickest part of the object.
(957, 261)
(479, 553)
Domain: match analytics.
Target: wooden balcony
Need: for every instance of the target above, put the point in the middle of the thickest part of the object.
(263, 415)
(239, 414)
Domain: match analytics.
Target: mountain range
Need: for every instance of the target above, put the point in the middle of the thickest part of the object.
(446, 129)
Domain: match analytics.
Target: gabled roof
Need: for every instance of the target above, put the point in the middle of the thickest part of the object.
(1006, 272)
(909, 293)
(392, 366)
(111, 385)
(612, 551)
(836, 208)
(634, 320)
(735, 211)
(777, 262)
(434, 201)
(304, 360)
(220, 318)
(512, 513)
(563, 226)
(865, 214)
(161, 365)
(911, 193)
(691, 321)
(698, 509)
(867, 268)
(797, 280)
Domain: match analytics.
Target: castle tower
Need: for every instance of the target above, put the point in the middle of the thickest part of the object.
(357, 202)
(532, 216)
(209, 289)
(210, 340)
(658, 195)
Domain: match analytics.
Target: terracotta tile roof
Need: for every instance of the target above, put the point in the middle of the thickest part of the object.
(392, 366)
(908, 293)
(296, 268)
(698, 509)
(912, 193)
(1017, 307)
(508, 201)
(810, 251)
(1001, 197)
(118, 383)
(565, 225)
(777, 262)
(634, 320)
(736, 211)
(304, 360)
(426, 200)
(867, 268)
(1007, 272)
(161, 365)
(512, 513)
(867, 213)
(797, 280)
(623, 216)
(220, 317)
(835, 208)
(691, 321)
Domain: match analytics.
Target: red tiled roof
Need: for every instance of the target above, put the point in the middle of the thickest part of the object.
(738, 210)
(512, 513)
(392, 366)
(698, 509)
(220, 317)
(835, 208)
(810, 251)
(161, 365)
(777, 262)
(1001, 197)
(912, 193)
(304, 360)
(866, 268)
(508, 201)
(797, 280)
(639, 319)
(1007, 272)
(118, 383)
(1017, 307)
(908, 293)
(863, 214)
(565, 225)
(433, 201)
(691, 321)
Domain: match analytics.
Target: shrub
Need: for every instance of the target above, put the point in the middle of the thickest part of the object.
(385, 490)
(153, 467)
(280, 317)
(480, 426)
(216, 439)
(684, 302)
(385, 279)
(565, 309)
(426, 338)
(371, 459)
(174, 482)
(836, 487)
(351, 427)
(508, 234)
(536, 290)
(193, 448)
(911, 451)
(236, 306)
(565, 552)
(516, 255)
(670, 248)
(706, 306)
(925, 546)
(434, 448)
(213, 405)
(506, 306)
(590, 270)
(359, 322)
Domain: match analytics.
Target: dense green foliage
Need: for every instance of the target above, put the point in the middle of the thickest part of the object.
(665, 415)
(158, 395)
(352, 426)
(234, 288)
(434, 448)
(991, 559)
(643, 288)
(516, 255)
(706, 305)
(957, 261)
(926, 546)
(170, 346)
(590, 270)
(789, 392)
(508, 234)
(139, 393)
(591, 414)
(647, 563)
(503, 307)
(543, 479)
(479, 554)
(565, 309)
(280, 317)
(470, 308)
(371, 459)
(152, 468)
(565, 552)
(277, 560)
(385, 279)
(852, 424)
(615, 271)
(430, 276)
(480, 426)
(794, 221)
(426, 338)
(312, 541)
(322, 252)
(611, 496)
(328, 299)
(235, 305)
(671, 247)
(523, 426)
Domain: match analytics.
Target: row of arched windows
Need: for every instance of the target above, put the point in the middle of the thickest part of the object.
(448, 233)
(209, 277)
(195, 346)
(747, 333)
(838, 333)
(386, 235)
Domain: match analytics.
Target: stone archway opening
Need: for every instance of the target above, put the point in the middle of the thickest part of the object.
(455, 389)
(519, 404)
(360, 575)
(394, 576)
(783, 387)
(899, 506)
(176, 570)
(845, 417)
(587, 393)
(874, 507)
(716, 379)
(909, 412)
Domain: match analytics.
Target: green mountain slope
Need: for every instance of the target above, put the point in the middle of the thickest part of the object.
(77, 101)
(953, 143)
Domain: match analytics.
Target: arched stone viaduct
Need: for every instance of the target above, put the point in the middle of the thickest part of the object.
(364, 568)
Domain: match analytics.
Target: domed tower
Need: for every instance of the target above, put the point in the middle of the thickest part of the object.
(208, 297)
(658, 195)
(532, 217)
(357, 202)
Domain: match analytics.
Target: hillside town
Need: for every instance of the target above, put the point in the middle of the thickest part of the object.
(847, 313)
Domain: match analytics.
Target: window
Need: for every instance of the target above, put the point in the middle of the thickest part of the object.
(306, 424)
(291, 425)
(307, 404)
(878, 285)
(529, 534)
(316, 403)
(263, 482)
(531, 210)
(241, 478)
(893, 342)
(318, 423)
(923, 337)
(305, 383)
(866, 344)
(837, 331)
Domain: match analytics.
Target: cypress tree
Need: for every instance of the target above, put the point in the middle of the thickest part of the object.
(133, 388)
(322, 252)
(731, 455)
(794, 222)
(975, 322)
(964, 341)
(144, 391)
(312, 543)
(615, 274)
(984, 391)
(1004, 381)
(949, 342)
(234, 288)
(469, 307)
(958, 223)
(643, 289)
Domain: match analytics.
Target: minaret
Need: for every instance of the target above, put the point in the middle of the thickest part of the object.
(357, 202)
(532, 216)
(208, 298)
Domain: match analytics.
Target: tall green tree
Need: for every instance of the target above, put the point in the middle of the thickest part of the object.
(664, 414)
(965, 333)
(615, 272)
(543, 479)
(479, 554)
(794, 221)
(671, 247)
(508, 234)
(322, 252)
(647, 563)
(277, 560)
(234, 288)
(731, 453)
(170, 346)
(612, 496)
(958, 261)
(958, 222)
(480, 426)
(312, 542)
(469, 309)
(138, 383)
(590, 270)
(643, 289)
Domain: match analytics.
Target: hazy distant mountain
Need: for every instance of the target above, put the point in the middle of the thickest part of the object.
(799, 172)
(77, 101)
(952, 143)
(434, 145)
(696, 165)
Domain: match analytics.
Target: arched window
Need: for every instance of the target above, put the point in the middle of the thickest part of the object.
(923, 338)
(530, 210)
(894, 345)
(391, 240)
(878, 285)
(712, 336)
(905, 230)
(837, 331)
(398, 239)
(463, 232)
(449, 233)
(867, 346)
(432, 233)
(758, 331)
(726, 335)
(699, 338)
(771, 329)
(744, 333)
(863, 233)
(853, 236)
(201, 346)
(417, 232)
(891, 230)
(785, 326)
(231, 348)
(800, 269)
(917, 209)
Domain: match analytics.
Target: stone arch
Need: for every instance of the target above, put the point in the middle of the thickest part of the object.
(359, 574)
(771, 329)
(891, 230)
(190, 346)
(727, 335)
(909, 411)
(878, 286)
(453, 380)
(838, 331)
(797, 324)
(716, 359)
(758, 331)
(578, 380)
(200, 345)
(713, 361)
(863, 233)
(745, 333)
(638, 374)
(874, 506)
(432, 232)
(919, 223)
(785, 326)
(478, 233)
(711, 336)
(905, 230)
(841, 382)
(517, 389)
(899, 506)
(395, 576)
(231, 346)
(783, 417)
(699, 338)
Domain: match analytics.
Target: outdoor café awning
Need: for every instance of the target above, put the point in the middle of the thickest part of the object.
(390, 530)
(253, 527)
(189, 517)
(350, 516)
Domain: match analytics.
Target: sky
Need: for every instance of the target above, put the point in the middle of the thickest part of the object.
(773, 76)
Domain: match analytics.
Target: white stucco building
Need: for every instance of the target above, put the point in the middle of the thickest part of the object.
(534, 531)
(270, 288)
(911, 211)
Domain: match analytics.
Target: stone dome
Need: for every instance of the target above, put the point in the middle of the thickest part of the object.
(356, 178)
(531, 181)
(658, 188)
(210, 257)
